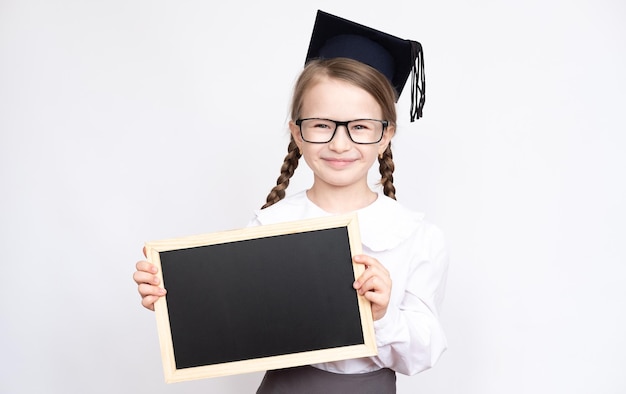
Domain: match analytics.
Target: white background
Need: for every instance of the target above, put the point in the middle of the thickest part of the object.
(128, 121)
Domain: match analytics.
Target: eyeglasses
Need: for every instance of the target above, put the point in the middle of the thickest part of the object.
(360, 131)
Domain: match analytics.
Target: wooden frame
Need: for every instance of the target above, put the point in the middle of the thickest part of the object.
(171, 255)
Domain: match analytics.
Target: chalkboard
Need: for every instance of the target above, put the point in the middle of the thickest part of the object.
(261, 298)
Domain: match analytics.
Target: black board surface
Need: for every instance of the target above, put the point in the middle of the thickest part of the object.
(261, 297)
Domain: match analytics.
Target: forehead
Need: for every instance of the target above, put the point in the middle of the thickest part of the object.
(339, 100)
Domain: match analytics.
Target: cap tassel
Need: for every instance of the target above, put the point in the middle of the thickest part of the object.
(418, 81)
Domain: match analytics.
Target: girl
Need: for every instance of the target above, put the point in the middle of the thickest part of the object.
(343, 118)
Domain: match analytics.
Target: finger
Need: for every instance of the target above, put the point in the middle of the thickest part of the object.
(361, 280)
(378, 299)
(368, 262)
(149, 290)
(372, 284)
(365, 260)
(373, 272)
(144, 277)
(146, 266)
(148, 302)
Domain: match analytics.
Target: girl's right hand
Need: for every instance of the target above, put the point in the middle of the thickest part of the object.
(147, 283)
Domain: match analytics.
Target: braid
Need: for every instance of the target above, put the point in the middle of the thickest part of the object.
(286, 172)
(386, 168)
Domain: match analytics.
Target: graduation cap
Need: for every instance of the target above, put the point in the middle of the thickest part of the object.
(394, 57)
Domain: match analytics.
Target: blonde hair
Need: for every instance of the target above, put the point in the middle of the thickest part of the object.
(355, 73)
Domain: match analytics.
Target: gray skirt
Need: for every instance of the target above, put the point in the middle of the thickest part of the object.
(311, 380)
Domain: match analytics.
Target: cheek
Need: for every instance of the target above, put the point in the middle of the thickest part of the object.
(309, 151)
(373, 153)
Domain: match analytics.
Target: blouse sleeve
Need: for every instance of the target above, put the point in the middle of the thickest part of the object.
(409, 337)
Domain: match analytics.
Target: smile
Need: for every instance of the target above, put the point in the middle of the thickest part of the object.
(339, 163)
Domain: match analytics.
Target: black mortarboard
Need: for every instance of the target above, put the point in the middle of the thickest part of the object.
(394, 57)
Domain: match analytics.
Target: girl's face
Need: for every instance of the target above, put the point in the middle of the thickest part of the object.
(340, 162)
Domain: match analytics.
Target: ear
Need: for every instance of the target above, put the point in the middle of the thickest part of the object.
(295, 134)
(384, 143)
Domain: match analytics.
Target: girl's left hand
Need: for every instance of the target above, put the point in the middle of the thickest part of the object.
(374, 284)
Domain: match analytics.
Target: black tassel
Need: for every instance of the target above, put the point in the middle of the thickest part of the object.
(418, 81)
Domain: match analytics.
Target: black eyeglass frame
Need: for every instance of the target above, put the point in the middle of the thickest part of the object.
(337, 123)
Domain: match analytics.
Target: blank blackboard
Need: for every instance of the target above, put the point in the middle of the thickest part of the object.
(261, 298)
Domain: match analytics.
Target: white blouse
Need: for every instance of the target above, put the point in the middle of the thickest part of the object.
(409, 337)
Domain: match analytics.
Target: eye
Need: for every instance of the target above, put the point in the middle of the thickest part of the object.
(361, 126)
(323, 124)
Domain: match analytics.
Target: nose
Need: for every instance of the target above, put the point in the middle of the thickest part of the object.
(341, 141)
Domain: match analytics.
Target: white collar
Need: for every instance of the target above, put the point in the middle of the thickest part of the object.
(383, 224)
